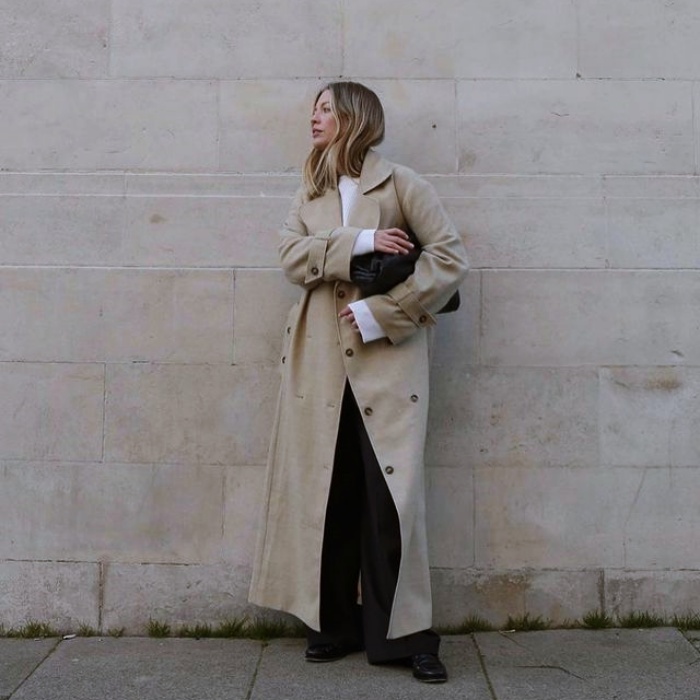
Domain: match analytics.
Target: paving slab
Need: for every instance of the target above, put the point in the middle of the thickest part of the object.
(654, 664)
(18, 658)
(145, 669)
(283, 675)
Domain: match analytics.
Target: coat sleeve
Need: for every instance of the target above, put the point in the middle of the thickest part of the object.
(309, 258)
(439, 270)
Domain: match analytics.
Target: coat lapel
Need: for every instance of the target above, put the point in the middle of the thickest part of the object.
(324, 212)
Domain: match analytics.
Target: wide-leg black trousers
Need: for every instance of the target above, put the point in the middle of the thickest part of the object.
(362, 540)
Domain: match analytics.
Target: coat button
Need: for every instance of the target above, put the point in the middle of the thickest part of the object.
(314, 270)
(422, 319)
(414, 397)
(349, 352)
(389, 470)
(341, 294)
(283, 360)
(289, 330)
(368, 411)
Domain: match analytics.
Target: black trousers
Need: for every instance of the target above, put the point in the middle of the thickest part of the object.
(362, 540)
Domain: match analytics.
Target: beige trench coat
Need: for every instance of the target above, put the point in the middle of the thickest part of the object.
(389, 378)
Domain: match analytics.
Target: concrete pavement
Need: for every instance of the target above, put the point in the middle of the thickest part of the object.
(617, 664)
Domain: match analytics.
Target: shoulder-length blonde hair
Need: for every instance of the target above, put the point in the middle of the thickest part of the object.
(360, 118)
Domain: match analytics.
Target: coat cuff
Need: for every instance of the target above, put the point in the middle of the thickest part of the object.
(410, 305)
(399, 313)
(315, 263)
(330, 254)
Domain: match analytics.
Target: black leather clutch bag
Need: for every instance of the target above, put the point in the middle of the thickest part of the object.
(377, 273)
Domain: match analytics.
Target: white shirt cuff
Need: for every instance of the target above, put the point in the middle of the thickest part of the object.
(369, 328)
(364, 243)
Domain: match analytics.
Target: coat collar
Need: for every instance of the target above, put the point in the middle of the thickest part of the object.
(375, 170)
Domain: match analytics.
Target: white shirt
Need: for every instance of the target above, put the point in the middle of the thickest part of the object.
(364, 243)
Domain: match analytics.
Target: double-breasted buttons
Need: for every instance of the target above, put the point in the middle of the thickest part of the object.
(289, 330)
(283, 360)
(368, 411)
(349, 352)
(389, 470)
(314, 270)
(422, 319)
(414, 397)
(341, 294)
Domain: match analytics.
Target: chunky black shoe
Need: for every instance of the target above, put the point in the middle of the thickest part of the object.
(320, 653)
(428, 668)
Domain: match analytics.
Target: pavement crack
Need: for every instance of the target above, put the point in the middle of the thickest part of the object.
(35, 669)
(251, 686)
(482, 663)
(542, 665)
(555, 668)
(505, 635)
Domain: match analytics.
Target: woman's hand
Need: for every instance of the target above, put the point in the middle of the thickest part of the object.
(349, 316)
(392, 240)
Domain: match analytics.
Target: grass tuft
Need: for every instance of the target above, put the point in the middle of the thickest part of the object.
(597, 620)
(641, 620)
(158, 629)
(568, 624)
(525, 623)
(33, 630)
(196, 632)
(470, 624)
(86, 631)
(262, 629)
(689, 621)
(232, 628)
(115, 631)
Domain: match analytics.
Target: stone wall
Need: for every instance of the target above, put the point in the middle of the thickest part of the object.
(148, 151)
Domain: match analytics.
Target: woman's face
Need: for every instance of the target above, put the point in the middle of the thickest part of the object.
(323, 124)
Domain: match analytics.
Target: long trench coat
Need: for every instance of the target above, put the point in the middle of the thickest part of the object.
(389, 378)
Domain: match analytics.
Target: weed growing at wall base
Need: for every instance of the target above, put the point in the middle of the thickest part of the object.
(33, 629)
(639, 620)
(259, 628)
(232, 628)
(689, 621)
(525, 623)
(158, 629)
(196, 632)
(470, 624)
(264, 629)
(597, 620)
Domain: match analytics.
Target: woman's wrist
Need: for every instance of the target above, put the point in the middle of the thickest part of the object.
(364, 243)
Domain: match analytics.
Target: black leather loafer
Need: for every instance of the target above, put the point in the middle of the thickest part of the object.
(428, 668)
(320, 653)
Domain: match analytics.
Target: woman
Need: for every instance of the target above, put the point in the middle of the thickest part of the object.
(345, 485)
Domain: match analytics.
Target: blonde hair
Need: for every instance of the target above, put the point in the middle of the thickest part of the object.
(360, 118)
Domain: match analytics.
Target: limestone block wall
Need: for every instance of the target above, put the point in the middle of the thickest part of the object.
(148, 153)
